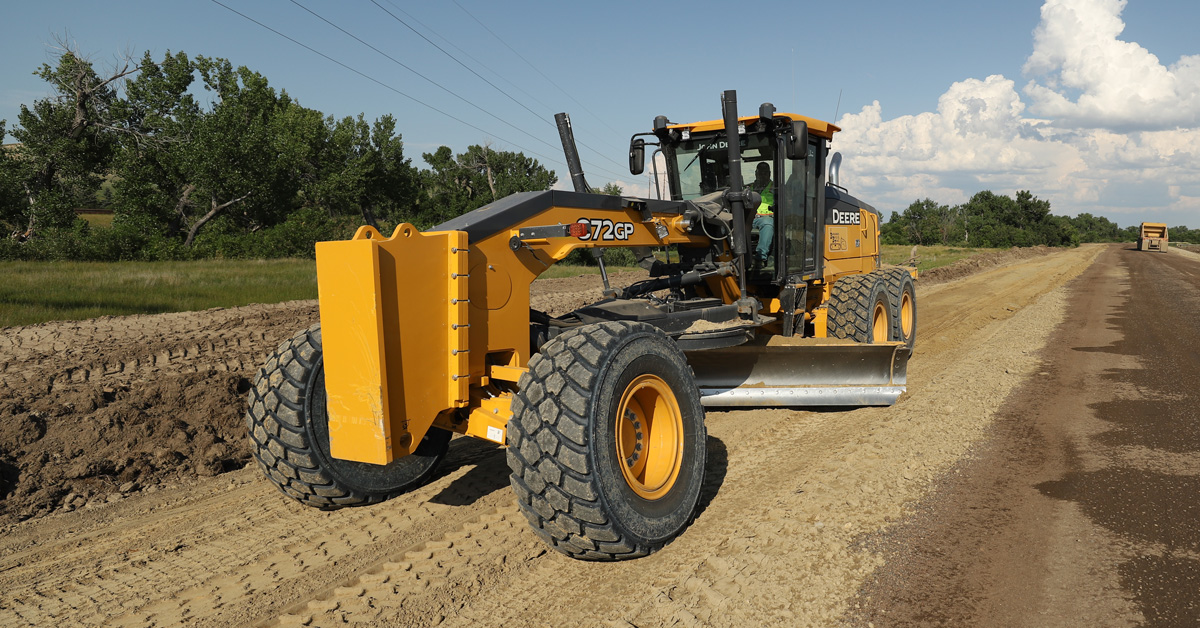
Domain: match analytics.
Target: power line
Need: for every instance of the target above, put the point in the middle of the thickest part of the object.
(467, 54)
(535, 69)
(384, 85)
(465, 66)
(430, 80)
(545, 158)
(410, 69)
(485, 79)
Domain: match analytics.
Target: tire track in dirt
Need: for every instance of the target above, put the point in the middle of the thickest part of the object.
(115, 350)
(787, 494)
(224, 557)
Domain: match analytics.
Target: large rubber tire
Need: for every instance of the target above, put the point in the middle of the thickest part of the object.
(902, 297)
(580, 474)
(289, 433)
(859, 309)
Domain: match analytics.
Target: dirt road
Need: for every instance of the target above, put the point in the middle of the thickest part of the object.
(789, 498)
(1080, 507)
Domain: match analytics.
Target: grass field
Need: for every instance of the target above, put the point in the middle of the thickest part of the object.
(34, 292)
(98, 220)
(928, 257)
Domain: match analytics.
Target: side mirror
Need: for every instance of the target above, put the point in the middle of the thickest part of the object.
(797, 145)
(637, 156)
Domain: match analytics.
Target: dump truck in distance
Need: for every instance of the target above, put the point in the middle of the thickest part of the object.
(1152, 236)
(771, 294)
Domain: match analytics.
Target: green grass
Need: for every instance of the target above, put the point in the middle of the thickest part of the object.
(34, 292)
(928, 257)
(98, 220)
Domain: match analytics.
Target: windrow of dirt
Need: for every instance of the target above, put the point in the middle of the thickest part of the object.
(93, 411)
(982, 261)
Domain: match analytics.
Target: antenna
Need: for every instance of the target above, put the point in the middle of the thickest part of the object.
(838, 108)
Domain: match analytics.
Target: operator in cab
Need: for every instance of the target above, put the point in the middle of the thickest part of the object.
(764, 217)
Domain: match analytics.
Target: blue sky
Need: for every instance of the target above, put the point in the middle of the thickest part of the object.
(1091, 104)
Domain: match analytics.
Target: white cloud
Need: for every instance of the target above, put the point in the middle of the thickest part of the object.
(1115, 84)
(1115, 132)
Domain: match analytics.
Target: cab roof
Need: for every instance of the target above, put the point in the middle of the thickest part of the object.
(820, 128)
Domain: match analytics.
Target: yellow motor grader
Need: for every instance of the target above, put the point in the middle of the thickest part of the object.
(425, 334)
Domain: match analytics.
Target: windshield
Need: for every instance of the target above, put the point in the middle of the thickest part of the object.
(700, 165)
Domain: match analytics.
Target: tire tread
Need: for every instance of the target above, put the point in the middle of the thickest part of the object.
(552, 474)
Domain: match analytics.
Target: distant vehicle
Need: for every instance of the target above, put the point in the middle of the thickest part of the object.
(1152, 237)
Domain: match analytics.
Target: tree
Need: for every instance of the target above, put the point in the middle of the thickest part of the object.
(184, 167)
(456, 184)
(66, 143)
(610, 188)
(246, 151)
(12, 203)
(157, 118)
(990, 220)
(361, 169)
(927, 222)
(1095, 228)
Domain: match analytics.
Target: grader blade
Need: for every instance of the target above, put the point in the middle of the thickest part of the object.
(781, 372)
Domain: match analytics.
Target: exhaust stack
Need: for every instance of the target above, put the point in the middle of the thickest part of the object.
(835, 169)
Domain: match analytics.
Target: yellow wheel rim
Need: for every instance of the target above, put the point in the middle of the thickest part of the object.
(879, 323)
(906, 316)
(649, 437)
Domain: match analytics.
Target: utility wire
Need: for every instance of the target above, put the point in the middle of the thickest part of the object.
(485, 79)
(430, 80)
(465, 66)
(410, 69)
(382, 84)
(535, 69)
(467, 54)
(545, 158)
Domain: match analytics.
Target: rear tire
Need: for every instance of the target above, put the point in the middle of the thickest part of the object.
(859, 309)
(289, 432)
(902, 297)
(607, 442)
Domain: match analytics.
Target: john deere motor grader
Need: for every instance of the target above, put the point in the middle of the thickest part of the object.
(425, 334)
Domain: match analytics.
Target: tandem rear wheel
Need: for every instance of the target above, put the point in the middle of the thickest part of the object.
(859, 309)
(902, 298)
(607, 442)
(289, 433)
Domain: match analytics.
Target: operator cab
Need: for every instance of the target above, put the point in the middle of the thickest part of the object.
(697, 163)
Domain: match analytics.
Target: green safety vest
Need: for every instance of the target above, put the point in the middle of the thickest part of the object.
(768, 199)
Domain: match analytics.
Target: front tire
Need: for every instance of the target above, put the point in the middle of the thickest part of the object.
(607, 442)
(289, 432)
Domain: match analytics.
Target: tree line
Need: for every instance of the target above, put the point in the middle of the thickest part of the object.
(992, 220)
(249, 173)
